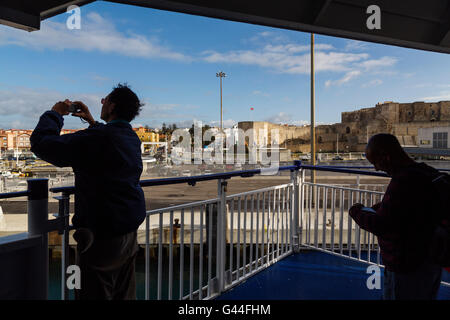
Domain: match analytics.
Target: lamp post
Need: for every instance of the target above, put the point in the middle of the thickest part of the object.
(221, 75)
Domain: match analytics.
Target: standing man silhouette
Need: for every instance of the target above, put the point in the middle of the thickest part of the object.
(109, 202)
(404, 221)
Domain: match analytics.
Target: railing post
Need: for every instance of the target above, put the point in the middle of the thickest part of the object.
(221, 237)
(295, 226)
(63, 213)
(302, 201)
(37, 226)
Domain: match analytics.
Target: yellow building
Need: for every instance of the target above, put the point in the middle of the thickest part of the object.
(146, 135)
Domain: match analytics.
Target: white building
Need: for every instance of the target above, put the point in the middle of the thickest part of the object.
(435, 137)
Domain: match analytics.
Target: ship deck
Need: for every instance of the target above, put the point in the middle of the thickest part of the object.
(314, 275)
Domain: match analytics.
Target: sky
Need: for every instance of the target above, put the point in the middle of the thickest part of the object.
(171, 59)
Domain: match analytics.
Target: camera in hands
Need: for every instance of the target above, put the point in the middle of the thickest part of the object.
(74, 108)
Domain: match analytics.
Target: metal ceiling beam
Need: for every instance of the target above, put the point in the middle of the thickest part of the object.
(445, 41)
(444, 34)
(63, 8)
(322, 11)
(32, 21)
(19, 19)
(230, 14)
(402, 26)
(396, 8)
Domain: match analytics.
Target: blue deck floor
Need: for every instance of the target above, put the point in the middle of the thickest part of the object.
(313, 275)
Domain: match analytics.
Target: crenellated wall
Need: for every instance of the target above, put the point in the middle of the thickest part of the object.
(401, 119)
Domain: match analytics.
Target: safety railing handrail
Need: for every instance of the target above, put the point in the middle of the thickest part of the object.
(364, 167)
(330, 186)
(181, 206)
(194, 179)
(225, 175)
(16, 194)
(343, 170)
(248, 193)
(244, 173)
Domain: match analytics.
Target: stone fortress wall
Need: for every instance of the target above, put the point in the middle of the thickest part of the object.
(401, 119)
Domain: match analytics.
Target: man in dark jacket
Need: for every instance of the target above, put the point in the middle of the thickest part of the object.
(109, 202)
(404, 221)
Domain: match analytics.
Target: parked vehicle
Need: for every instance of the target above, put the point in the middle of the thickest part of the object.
(305, 157)
(148, 159)
(7, 174)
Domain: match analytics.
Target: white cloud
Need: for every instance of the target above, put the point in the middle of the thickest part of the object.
(21, 107)
(284, 61)
(373, 83)
(286, 56)
(156, 114)
(99, 78)
(265, 36)
(421, 85)
(346, 78)
(227, 123)
(96, 34)
(429, 84)
(353, 45)
(260, 93)
(377, 63)
(370, 66)
(295, 48)
(286, 118)
(443, 96)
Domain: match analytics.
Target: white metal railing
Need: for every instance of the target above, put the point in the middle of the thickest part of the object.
(263, 221)
(327, 225)
(235, 237)
(190, 224)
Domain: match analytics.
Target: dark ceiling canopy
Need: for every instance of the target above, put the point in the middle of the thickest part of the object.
(419, 24)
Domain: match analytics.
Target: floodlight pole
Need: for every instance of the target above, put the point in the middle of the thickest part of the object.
(221, 75)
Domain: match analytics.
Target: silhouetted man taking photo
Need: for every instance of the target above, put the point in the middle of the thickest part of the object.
(109, 202)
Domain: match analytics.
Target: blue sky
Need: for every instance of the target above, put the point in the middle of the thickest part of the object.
(171, 60)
